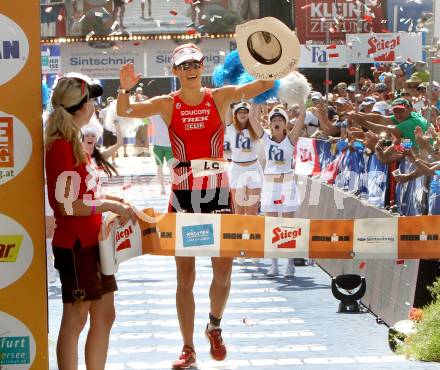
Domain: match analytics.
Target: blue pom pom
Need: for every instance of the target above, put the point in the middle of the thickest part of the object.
(218, 76)
(262, 98)
(232, 68)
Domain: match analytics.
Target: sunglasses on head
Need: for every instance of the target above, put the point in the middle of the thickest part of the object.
(185, 66)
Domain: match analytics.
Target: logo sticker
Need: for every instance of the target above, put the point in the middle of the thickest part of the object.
(15, 147)
(14, 49)
(16, 251)
(17, 345)
(10, 247)
(198, 235)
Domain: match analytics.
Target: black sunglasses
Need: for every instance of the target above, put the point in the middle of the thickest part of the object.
(185, 66)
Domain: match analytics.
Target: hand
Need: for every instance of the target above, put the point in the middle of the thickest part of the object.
(393, 154)
(255, 113)
(421, 140)
(371, 140)
(409, 153)
(127, 77)
(125, 213)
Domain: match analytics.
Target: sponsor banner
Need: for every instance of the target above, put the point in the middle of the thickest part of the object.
(17, 344)
(306, 157)
(314, 18)
(14, 49)
(159, 55)
(375, 238)
(101, 60)
(22, 240)
(50, 59)
(166, 229)
(120, 243)
(16, 251)
(323, 56)
(421, 235)
(331, 239)
(15, 147)
(384, 47)
(286, 237)
(198, 235)
(242, 236)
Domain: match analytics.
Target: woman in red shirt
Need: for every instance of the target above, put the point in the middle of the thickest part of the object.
(73, 188)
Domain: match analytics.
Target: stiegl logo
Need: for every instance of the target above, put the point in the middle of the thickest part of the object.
(286, 236)
(122, 238)
(14, 49)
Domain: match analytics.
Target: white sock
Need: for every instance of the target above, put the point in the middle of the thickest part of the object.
(212, 327)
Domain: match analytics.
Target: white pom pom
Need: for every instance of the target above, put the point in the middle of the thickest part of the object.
(293, 89)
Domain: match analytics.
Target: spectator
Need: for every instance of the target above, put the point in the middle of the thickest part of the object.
(351, 92)
(311, 121)
(400, 125)
(119, 8)
(412, 84)
(341, 89)
(143, 9)
(142, 140)
(434, 89)
(367, 104)
(421, 72)
(381, 106)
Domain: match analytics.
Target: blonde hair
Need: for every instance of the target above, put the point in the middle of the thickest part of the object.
(60, 124)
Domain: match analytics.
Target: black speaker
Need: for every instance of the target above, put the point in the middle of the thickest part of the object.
(281, 10)
(429, 271)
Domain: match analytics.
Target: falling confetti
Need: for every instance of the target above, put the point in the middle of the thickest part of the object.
(362, 265)
(173, 12)
(48, 9)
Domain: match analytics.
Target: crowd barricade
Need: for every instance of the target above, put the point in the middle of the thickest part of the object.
(365, 176)
(226, 235)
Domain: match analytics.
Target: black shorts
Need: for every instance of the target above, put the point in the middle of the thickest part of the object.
(109, 138)
(80, 274)
(216, 200)
(118, 2)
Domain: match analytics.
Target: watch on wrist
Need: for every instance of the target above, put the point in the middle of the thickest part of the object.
(123, 91)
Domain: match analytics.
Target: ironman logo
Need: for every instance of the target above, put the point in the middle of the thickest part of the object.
(14, 49)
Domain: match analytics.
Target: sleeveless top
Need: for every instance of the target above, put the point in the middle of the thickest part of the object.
(243, 148)
(196, 131)
(278, 155)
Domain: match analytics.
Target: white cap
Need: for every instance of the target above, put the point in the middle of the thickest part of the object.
(90, 129)
(278, 111)
(316, 95)
(242, 105)
(186, 52)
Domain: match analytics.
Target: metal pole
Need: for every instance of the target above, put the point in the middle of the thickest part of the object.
(395, 22)
(357, 64)
(327, 71)
(431, 41)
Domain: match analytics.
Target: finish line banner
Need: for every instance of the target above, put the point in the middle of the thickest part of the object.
(217, 235)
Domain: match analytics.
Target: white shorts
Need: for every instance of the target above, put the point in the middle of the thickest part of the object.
(279, 197)
(246, 176)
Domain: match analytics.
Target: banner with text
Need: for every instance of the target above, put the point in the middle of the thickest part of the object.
(384, 47)
(323, 56)
(23, 287)
(313, 19)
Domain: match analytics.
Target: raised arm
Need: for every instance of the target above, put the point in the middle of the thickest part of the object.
(150, 107)
(364, 121)
(254, 119)
(324, 123)
(296, 131)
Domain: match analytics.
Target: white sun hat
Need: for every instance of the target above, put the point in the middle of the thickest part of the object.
(268, 49)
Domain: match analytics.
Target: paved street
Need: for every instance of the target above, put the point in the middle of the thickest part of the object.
(268, 324)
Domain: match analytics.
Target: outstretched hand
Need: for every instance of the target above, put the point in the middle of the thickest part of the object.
(127, 76)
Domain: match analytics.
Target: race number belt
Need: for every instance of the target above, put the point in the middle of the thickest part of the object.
(208, 166)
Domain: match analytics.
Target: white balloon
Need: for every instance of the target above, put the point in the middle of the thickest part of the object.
(293, 89)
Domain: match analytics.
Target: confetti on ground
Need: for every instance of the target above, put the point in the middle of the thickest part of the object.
(173, 12)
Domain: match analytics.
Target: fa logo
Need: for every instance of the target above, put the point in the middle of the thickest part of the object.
(227, 146)
(276, 154)
(242, 142)
(318, 55)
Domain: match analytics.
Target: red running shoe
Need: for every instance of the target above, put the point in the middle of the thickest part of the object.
(218, 348)
(186, 360)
